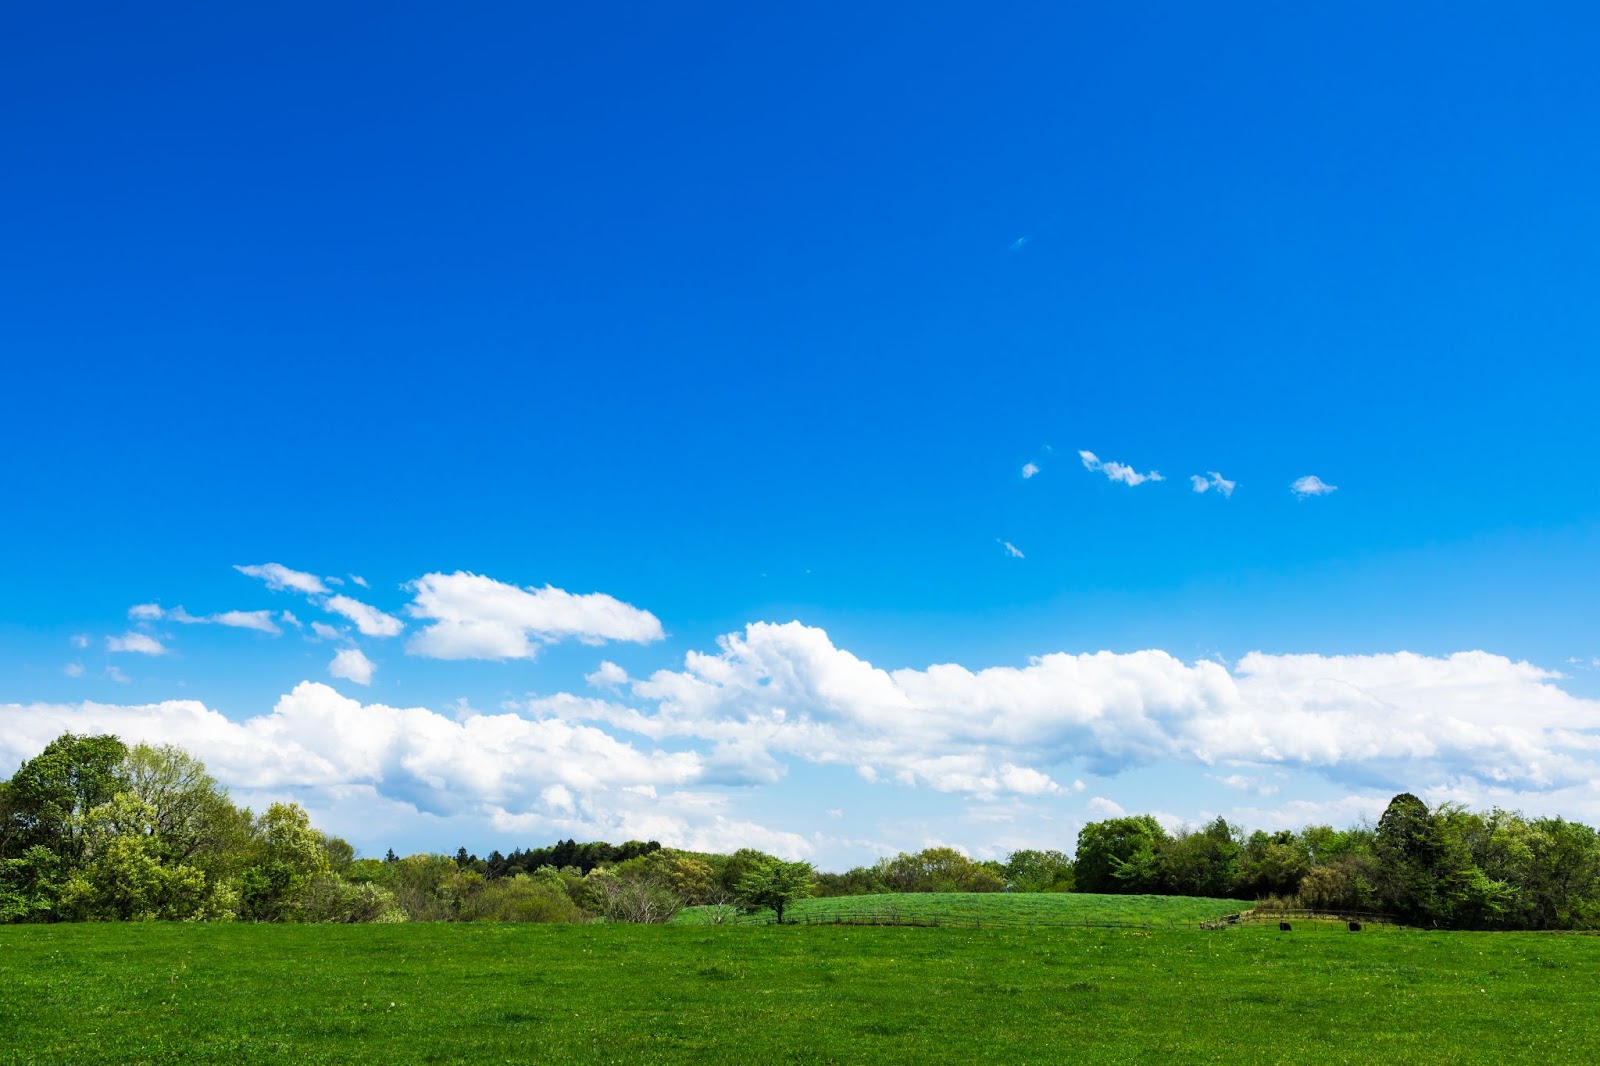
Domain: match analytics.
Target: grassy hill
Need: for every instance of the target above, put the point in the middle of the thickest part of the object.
(244, 994)
(988, 908)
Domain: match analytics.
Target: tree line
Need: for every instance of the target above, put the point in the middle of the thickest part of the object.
(93, 830)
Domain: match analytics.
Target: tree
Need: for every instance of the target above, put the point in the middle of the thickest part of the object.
(1199, 863)
(288, 855)
(775, 884)
(1038, 871)
(49, 794)
(127, 874)
(1118, 855)
(938, 870)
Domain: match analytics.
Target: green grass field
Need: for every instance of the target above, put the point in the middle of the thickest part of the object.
(997, 908)
(797, 994)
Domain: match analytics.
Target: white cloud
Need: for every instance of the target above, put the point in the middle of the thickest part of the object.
(607, 676)
(1404, 719)
(358, 579)
(1246, 783)
(331, 751)
(138, 643)
(260, 621)
(1311, 485)
(1029, 469)
(1213, 480)
(324, 631)
(476, 617)
(280, 578)
(116, 675)
(1012, 550)
(369, 620)
(1019, 244)
(288, 618)
(1100, 807)
(1117, 471)
(73, 669)
(145, 612)
(352, 665)
(80, 640)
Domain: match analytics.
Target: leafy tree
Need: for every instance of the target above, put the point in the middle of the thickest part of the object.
(938, 870)
(857, 881)
(288, 855)
(49, 794)
(1107, 849)
(1204, 862)
(775, 884)
(1272, 864)
(1038, 871)
(127, 873)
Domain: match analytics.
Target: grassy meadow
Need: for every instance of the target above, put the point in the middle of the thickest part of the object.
(244, 993)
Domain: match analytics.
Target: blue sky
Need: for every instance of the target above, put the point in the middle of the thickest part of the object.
(742, 318)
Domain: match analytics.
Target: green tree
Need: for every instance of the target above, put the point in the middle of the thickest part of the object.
(287, 856)
(1119, 855)
(1038, 871)
(1202, 862)
(775, 884)
(127, 874)
(49, 794)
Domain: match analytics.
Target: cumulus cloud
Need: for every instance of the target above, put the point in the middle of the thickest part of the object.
(476, 617)
(1311, 485)
(370, 621)
(1012, 550)
(1029, 469)
(145, 612)
(316, 742)
(359, 580)
(1117, 471)
(1400, 719)
(137, 643)
(1100, 807)
(352, 665)
(280, 578)
(608, 675)
(1213, 480)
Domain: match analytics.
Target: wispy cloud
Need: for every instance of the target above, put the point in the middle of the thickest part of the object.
(280, 578)
(1020, 243)
(73, 669)
(1213, 480)
(137, 643)
(1029, 469)
(368, 619)
(1117, 471)
(1012, 550)
(260, 621)
(1311, 485)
